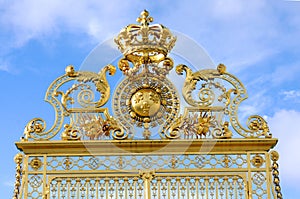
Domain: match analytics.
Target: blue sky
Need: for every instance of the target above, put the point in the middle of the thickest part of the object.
(258, 41)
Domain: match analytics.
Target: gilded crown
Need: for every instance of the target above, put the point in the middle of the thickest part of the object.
(136, 40)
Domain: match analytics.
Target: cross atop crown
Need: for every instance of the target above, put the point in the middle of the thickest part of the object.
(144, 19)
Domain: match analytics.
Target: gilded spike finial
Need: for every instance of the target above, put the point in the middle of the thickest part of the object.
(144, 18)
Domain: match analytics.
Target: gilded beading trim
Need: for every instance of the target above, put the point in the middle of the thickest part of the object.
(18, 160)
(275, 173)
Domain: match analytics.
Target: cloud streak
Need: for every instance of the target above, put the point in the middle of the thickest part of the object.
(291, 95)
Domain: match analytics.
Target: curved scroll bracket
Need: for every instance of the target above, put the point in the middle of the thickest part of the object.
(36, 128)
(173, 131)
(229, 93)
(116, 130)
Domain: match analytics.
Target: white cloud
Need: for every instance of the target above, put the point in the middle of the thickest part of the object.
(30, 19)
(237, 33)
(293, 95)
(256, 103)
(285, 73)
(240, 34)
(284, 125)
(25, 20)
(229, 9)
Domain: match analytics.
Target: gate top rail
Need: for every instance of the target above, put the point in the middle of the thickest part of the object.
(146, 146)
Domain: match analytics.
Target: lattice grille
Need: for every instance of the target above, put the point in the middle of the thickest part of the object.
(136, 162)
(97, 188)
(160, 186)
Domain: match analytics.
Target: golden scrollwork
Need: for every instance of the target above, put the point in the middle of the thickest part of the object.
(118, 132)
(173, 132)
(70, 133)
(36, 125)
(230, 98)
(132, 66)
(224, 132)
(257, 123)
(190, 82)
(36, 128)
(94, 126)
(163, 67)
(86, 95)
(227, 95)
(124, 66)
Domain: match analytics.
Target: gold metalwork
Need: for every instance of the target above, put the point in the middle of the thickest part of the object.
(197, 125)
(257, 126)
(18, 160)
(36, 163)
(35, 129)
(85, 98)
(70, 133)
(146, 102)
(142, 44)
(153, 145)
(93, 125)
(147, 177)
(173, 131)
(275, 173)
(257, 161)
(226, 131)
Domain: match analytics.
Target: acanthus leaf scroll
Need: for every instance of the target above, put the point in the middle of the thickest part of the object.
(36, 128)
(219, 93)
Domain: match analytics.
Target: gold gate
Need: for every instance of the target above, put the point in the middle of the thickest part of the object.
(148, 140)
(149, 185)
(74, 172)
